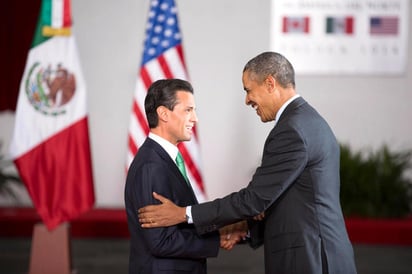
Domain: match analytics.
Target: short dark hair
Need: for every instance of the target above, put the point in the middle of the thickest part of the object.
(274, 64)
(163, 93)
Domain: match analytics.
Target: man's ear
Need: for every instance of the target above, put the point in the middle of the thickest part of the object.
(270, 83)
(163, 113)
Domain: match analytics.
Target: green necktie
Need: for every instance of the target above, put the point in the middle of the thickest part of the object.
(181, 165)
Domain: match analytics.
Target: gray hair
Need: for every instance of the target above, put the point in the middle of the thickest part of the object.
(274, 64)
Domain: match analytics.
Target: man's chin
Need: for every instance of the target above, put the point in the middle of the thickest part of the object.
(186, 139)
(264, 120)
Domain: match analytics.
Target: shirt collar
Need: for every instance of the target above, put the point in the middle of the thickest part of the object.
(170, 148)
(282, 108)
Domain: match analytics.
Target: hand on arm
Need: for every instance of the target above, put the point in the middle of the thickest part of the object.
(165, 214)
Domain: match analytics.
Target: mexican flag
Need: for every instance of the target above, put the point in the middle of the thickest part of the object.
(50, 144)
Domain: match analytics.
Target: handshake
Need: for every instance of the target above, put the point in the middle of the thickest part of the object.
(167, 214)
(234, 233)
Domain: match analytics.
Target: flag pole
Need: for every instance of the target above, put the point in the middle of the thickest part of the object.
(51, 250)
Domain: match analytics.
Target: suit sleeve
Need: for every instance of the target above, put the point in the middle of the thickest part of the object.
(256, 233)
(175, 241)
(284, 158)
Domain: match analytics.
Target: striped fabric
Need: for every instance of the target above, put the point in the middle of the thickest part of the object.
(162, 58)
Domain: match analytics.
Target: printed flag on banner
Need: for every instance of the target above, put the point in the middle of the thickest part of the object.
(298, 24)
(162, 59)
(50, 145)
(384, 25)
(339, 25)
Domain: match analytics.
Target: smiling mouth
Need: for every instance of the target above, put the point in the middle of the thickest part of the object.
(255, 107)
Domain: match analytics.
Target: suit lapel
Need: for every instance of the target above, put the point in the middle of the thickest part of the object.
(172, 165)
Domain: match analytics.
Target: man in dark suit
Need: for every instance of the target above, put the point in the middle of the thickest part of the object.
(296, 186)
(170, 111)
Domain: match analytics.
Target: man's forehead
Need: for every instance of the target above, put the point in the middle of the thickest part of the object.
(184, 94)
(247, 80)
(185, 97)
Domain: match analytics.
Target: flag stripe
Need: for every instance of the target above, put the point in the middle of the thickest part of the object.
(46, 12)
(57, 14)
(145, 77)
(306, 24)
(141, 118)
(339, 25)
(132, 145)
(349, 25)
(154, 70)
(140, 94)
(60, 14)
(57, 182)
(165, 67)
(176, 63)
(179, 50)
(193, 147)
(67, 11)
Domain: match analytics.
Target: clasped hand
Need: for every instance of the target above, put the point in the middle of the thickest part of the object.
(168, 214)
(232, 234)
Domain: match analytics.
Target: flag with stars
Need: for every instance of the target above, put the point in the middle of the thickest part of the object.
(380, 25)
(162, 59)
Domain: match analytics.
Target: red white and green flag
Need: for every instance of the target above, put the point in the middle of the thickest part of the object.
(339, 25)
(50, 144)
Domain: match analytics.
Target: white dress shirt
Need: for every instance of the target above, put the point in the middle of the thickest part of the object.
(170, 148)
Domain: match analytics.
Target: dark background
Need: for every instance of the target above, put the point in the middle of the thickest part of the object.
(17, 24)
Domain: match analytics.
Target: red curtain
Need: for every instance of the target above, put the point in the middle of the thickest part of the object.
(18, 20)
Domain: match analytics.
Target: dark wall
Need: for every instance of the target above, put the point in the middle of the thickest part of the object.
(17, 24)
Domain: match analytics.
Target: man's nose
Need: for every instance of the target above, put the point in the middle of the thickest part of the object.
(247, 101)
(194, 117)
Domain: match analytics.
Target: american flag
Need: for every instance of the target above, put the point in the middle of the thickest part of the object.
(384, 25)
(162, 59)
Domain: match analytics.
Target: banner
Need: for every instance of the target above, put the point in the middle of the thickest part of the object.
(340, 36)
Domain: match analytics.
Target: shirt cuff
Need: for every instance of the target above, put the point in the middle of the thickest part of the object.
(189, 215)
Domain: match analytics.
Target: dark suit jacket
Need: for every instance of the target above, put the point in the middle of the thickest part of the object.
(175, 249)
(297, 185)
